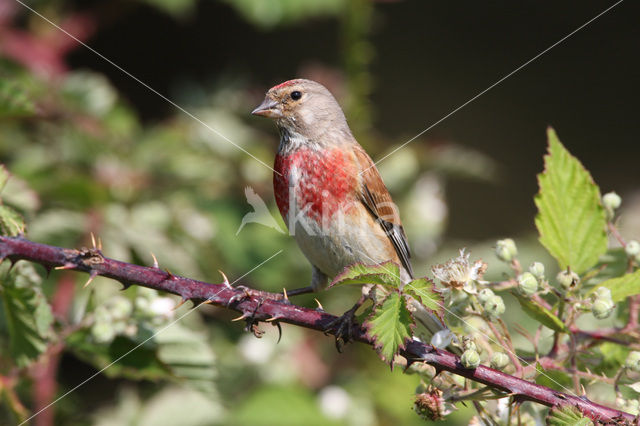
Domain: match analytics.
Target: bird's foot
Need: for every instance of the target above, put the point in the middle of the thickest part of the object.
(342, 326)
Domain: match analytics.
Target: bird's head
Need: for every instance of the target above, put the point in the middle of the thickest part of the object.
(304, 107)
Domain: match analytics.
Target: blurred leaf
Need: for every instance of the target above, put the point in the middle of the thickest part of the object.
(570, 218)
(269, 13)
(552, 379)
(610, 265)
(566, 415)
(177, 8)
(162, 409)
(11, 222)
(188, 355)
(280, 405)
(386, 274)
(390, 326)
(14, 101)
(541, 314)
(621, 287)
(25, 312)
(124, 357)
(424, 290)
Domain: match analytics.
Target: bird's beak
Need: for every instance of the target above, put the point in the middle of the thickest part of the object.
(268, 108)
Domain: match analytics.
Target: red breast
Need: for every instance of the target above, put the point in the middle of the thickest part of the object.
(325, 181)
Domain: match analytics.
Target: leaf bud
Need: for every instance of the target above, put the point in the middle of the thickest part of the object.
(506, 249)
(602, 308)
(494, 306)
(568, 279)
(484, 294)
(633, 361)
(499, 360)
(632, 248)
(611, 201)
(537, 269)
(527, 284)
(470, 358)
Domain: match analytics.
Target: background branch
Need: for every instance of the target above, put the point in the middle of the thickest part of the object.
(258, 306)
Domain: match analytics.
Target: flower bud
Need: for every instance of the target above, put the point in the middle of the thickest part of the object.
(506, 250)
(468, 344)
(602, 308)
(527, 284)
(494, 306)
(611, 201)
(470, 358)
(603, 293)
(632, 248)
(484, 294)
(499, 360)
(633, 361)
(430, 405)
(537, 269)
(568, 279)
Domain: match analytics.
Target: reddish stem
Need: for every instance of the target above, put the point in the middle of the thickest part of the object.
(261, 306)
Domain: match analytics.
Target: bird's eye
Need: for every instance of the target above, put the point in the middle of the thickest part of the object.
(295, 95)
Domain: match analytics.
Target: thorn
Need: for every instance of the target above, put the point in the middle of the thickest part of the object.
(92, 275)
(284, 293)
(319, 305)
(277, 324)
(207, 302)
(272, 319)
(93, 240)
(99, 243)
(225, 279)
(241, 317)
(66, 266)
(47, 269)
(180, 304)
(169, 274)
(583, 390)
(155, 261)
(124, 285)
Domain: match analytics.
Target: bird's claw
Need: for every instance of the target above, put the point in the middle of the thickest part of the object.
(341, 328)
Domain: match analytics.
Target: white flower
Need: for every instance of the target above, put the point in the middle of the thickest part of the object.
(458, 273)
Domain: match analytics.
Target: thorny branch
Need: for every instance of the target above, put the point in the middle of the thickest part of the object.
(257, 306)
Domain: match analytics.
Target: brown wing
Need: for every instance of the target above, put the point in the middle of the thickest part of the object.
(375, 196)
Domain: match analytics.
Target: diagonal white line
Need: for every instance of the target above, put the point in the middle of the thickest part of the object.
(495, 84)
(475, 328)
(140, 344)
(145, 85)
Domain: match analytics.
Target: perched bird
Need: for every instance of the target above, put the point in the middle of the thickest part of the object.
(328, 189)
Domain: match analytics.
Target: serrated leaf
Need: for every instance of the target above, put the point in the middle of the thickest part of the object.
(539, 313)
(622, 287)
(386, 274)
(423, 289)
(390, 326)
(11, 222)
(25, 312)
(571, 220)
(567, 415)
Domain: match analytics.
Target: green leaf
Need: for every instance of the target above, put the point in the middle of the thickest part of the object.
(567, 415)
(123, 356)
(540, 314)
(25, 313)
(424, 290)
(390, 325)
(13, 100)
(4, 176)
(622, 287)
(189, 357)
(11, 222)
(571, 220)
(386, 274)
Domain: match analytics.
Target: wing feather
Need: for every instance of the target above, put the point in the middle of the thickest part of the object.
(376, 198)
